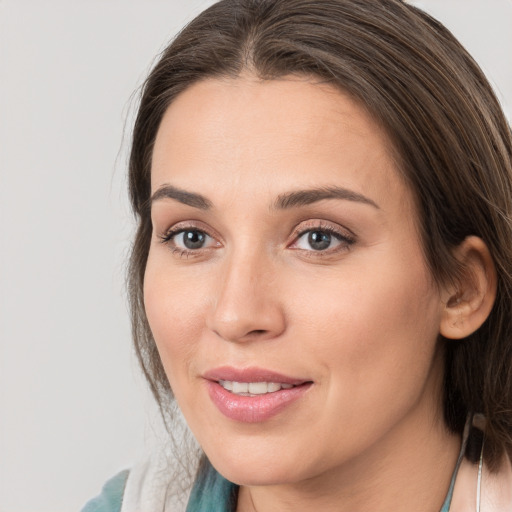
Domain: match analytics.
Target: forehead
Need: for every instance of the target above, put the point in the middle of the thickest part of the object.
(243, 135)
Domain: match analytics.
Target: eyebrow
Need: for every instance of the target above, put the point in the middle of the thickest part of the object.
(182, 196)
(309, 196)
(285, 201)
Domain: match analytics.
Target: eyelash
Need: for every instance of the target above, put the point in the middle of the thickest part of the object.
(345, 238)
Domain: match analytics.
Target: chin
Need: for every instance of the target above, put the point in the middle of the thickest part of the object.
(249, 468)
(262, 475)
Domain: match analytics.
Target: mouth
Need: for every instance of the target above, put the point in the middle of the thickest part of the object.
(253, 395)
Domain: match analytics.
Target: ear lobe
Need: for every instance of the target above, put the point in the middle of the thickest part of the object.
(469, 303)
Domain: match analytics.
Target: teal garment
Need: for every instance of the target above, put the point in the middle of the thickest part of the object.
(111, 497)
(212, 492)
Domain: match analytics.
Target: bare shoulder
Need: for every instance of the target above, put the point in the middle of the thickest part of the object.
(492, 490)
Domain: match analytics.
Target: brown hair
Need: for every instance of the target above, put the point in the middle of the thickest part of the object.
(453, 143)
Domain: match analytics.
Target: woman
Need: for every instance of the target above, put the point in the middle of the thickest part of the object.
(322, 272)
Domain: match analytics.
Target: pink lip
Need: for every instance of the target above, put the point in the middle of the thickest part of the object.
(251, 374)
(253, 409)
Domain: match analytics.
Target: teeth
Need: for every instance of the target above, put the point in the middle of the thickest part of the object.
(240, 387)
(226, 384)
(253, 388)
(258, 388)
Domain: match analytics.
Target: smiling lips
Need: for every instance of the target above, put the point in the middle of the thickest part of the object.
(252, 395)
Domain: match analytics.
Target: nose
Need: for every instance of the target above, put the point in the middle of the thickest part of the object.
(246, 306)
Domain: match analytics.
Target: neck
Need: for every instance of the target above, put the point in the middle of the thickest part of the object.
(404, 472)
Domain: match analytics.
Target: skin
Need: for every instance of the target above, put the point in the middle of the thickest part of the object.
(360, 319)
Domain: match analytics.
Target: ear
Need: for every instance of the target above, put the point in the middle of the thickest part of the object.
(469, 302)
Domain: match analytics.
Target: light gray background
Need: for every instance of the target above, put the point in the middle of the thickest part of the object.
(73, 408)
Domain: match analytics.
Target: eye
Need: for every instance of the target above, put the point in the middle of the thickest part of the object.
(322, 239)
(318, 240)
(186, 241)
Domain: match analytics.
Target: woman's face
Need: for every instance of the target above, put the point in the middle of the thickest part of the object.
(286, 287)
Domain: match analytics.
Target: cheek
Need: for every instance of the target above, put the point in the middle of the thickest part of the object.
(175, 307)
(374, 329)
(366, 300)
(375, 340)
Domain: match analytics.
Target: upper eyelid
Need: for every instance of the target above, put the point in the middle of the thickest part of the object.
(321, 224)
(340, 237)
(190, 226)
(301, 232)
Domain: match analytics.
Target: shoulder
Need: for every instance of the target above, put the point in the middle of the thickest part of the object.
(111, 496)
(157, 483)
(145, 487)
(496, 488)
(492, 490)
